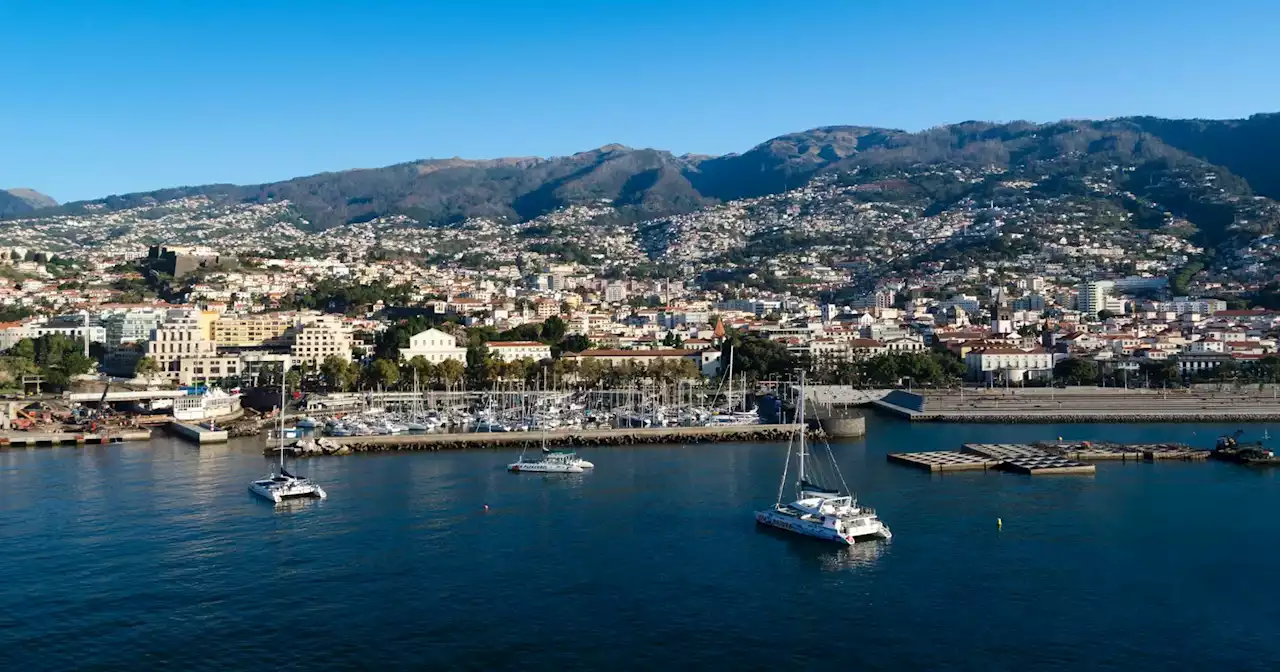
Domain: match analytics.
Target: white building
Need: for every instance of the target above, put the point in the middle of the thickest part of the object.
(320, 339)
(435, 346)
(1009, 364)
(1093, 296)
(131, 326)
(615, 292)
(513, 351)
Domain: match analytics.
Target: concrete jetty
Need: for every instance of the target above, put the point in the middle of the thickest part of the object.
(31, 439)
(198, 434)
(556, 438)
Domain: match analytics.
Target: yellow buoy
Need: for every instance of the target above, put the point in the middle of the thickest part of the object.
(999, 524)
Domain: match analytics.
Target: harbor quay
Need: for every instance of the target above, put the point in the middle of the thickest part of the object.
(550, 439)
(34, 439)
(1083, 404)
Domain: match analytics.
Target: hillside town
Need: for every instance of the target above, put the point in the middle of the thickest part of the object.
(199, 316)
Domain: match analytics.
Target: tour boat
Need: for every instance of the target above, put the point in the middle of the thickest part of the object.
(823, 513)
(551, 463)
(282, 486)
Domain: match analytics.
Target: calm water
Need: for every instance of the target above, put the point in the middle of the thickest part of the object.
(137, 556)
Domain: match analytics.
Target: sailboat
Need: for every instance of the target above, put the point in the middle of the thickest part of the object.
(824, 513)
(284, 485)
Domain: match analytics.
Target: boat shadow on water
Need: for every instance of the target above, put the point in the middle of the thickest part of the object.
(290, 505)
(826, 555)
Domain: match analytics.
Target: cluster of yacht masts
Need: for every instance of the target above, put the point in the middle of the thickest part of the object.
(518, 407)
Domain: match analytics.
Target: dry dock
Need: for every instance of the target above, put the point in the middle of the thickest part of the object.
(552, 439)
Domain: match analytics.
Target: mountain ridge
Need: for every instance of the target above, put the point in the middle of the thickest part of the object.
(645, 183)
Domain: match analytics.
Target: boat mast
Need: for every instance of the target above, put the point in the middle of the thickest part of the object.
(729, 394)
(800, 420)
(283, 387)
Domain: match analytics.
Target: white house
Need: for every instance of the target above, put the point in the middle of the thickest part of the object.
(435, 346)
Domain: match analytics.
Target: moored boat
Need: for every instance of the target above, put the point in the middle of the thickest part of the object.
(820, 512)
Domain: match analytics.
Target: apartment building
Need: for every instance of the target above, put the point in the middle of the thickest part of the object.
(253, 330)
(178, 339)
(321, 338)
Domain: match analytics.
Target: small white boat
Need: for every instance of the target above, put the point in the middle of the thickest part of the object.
(549, 464)
(552, 462)
(284, 486)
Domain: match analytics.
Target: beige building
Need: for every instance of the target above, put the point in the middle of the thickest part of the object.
(207, 369)
(252, 330)
(514, 351)
(707, 361)
(181, 337)
(317, 340)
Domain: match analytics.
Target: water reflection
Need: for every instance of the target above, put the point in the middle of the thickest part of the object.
(290, 506)
(829, 556)
(859, 556)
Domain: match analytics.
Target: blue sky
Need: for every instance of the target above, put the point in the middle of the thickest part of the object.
(111, 97)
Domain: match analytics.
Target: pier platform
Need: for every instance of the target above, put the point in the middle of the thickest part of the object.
(30, 439)
(553, 439)
(944, 460)
(198, 434)
(1045, 457)
(1049, 464)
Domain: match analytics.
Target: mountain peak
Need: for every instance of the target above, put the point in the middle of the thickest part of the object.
(32, 197)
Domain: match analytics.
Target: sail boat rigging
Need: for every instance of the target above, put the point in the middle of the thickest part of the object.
(820, 512)
(284, 485)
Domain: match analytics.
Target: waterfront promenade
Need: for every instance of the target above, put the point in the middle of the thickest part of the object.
(1081, 404)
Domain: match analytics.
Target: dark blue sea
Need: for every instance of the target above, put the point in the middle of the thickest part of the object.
(144, 556)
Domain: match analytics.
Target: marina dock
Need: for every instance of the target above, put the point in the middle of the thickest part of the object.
(552, 439)
(1048, 457)
(198, 434)
(32, 439)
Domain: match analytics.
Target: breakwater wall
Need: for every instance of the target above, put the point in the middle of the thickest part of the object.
(552, 439)
(1134, 416)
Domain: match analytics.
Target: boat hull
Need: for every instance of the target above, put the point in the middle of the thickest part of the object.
(535, 468)
(773, 518)
(278, 494)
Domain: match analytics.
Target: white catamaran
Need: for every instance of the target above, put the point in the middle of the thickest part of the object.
(284, 485)
(552, 462)
(820, 512)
